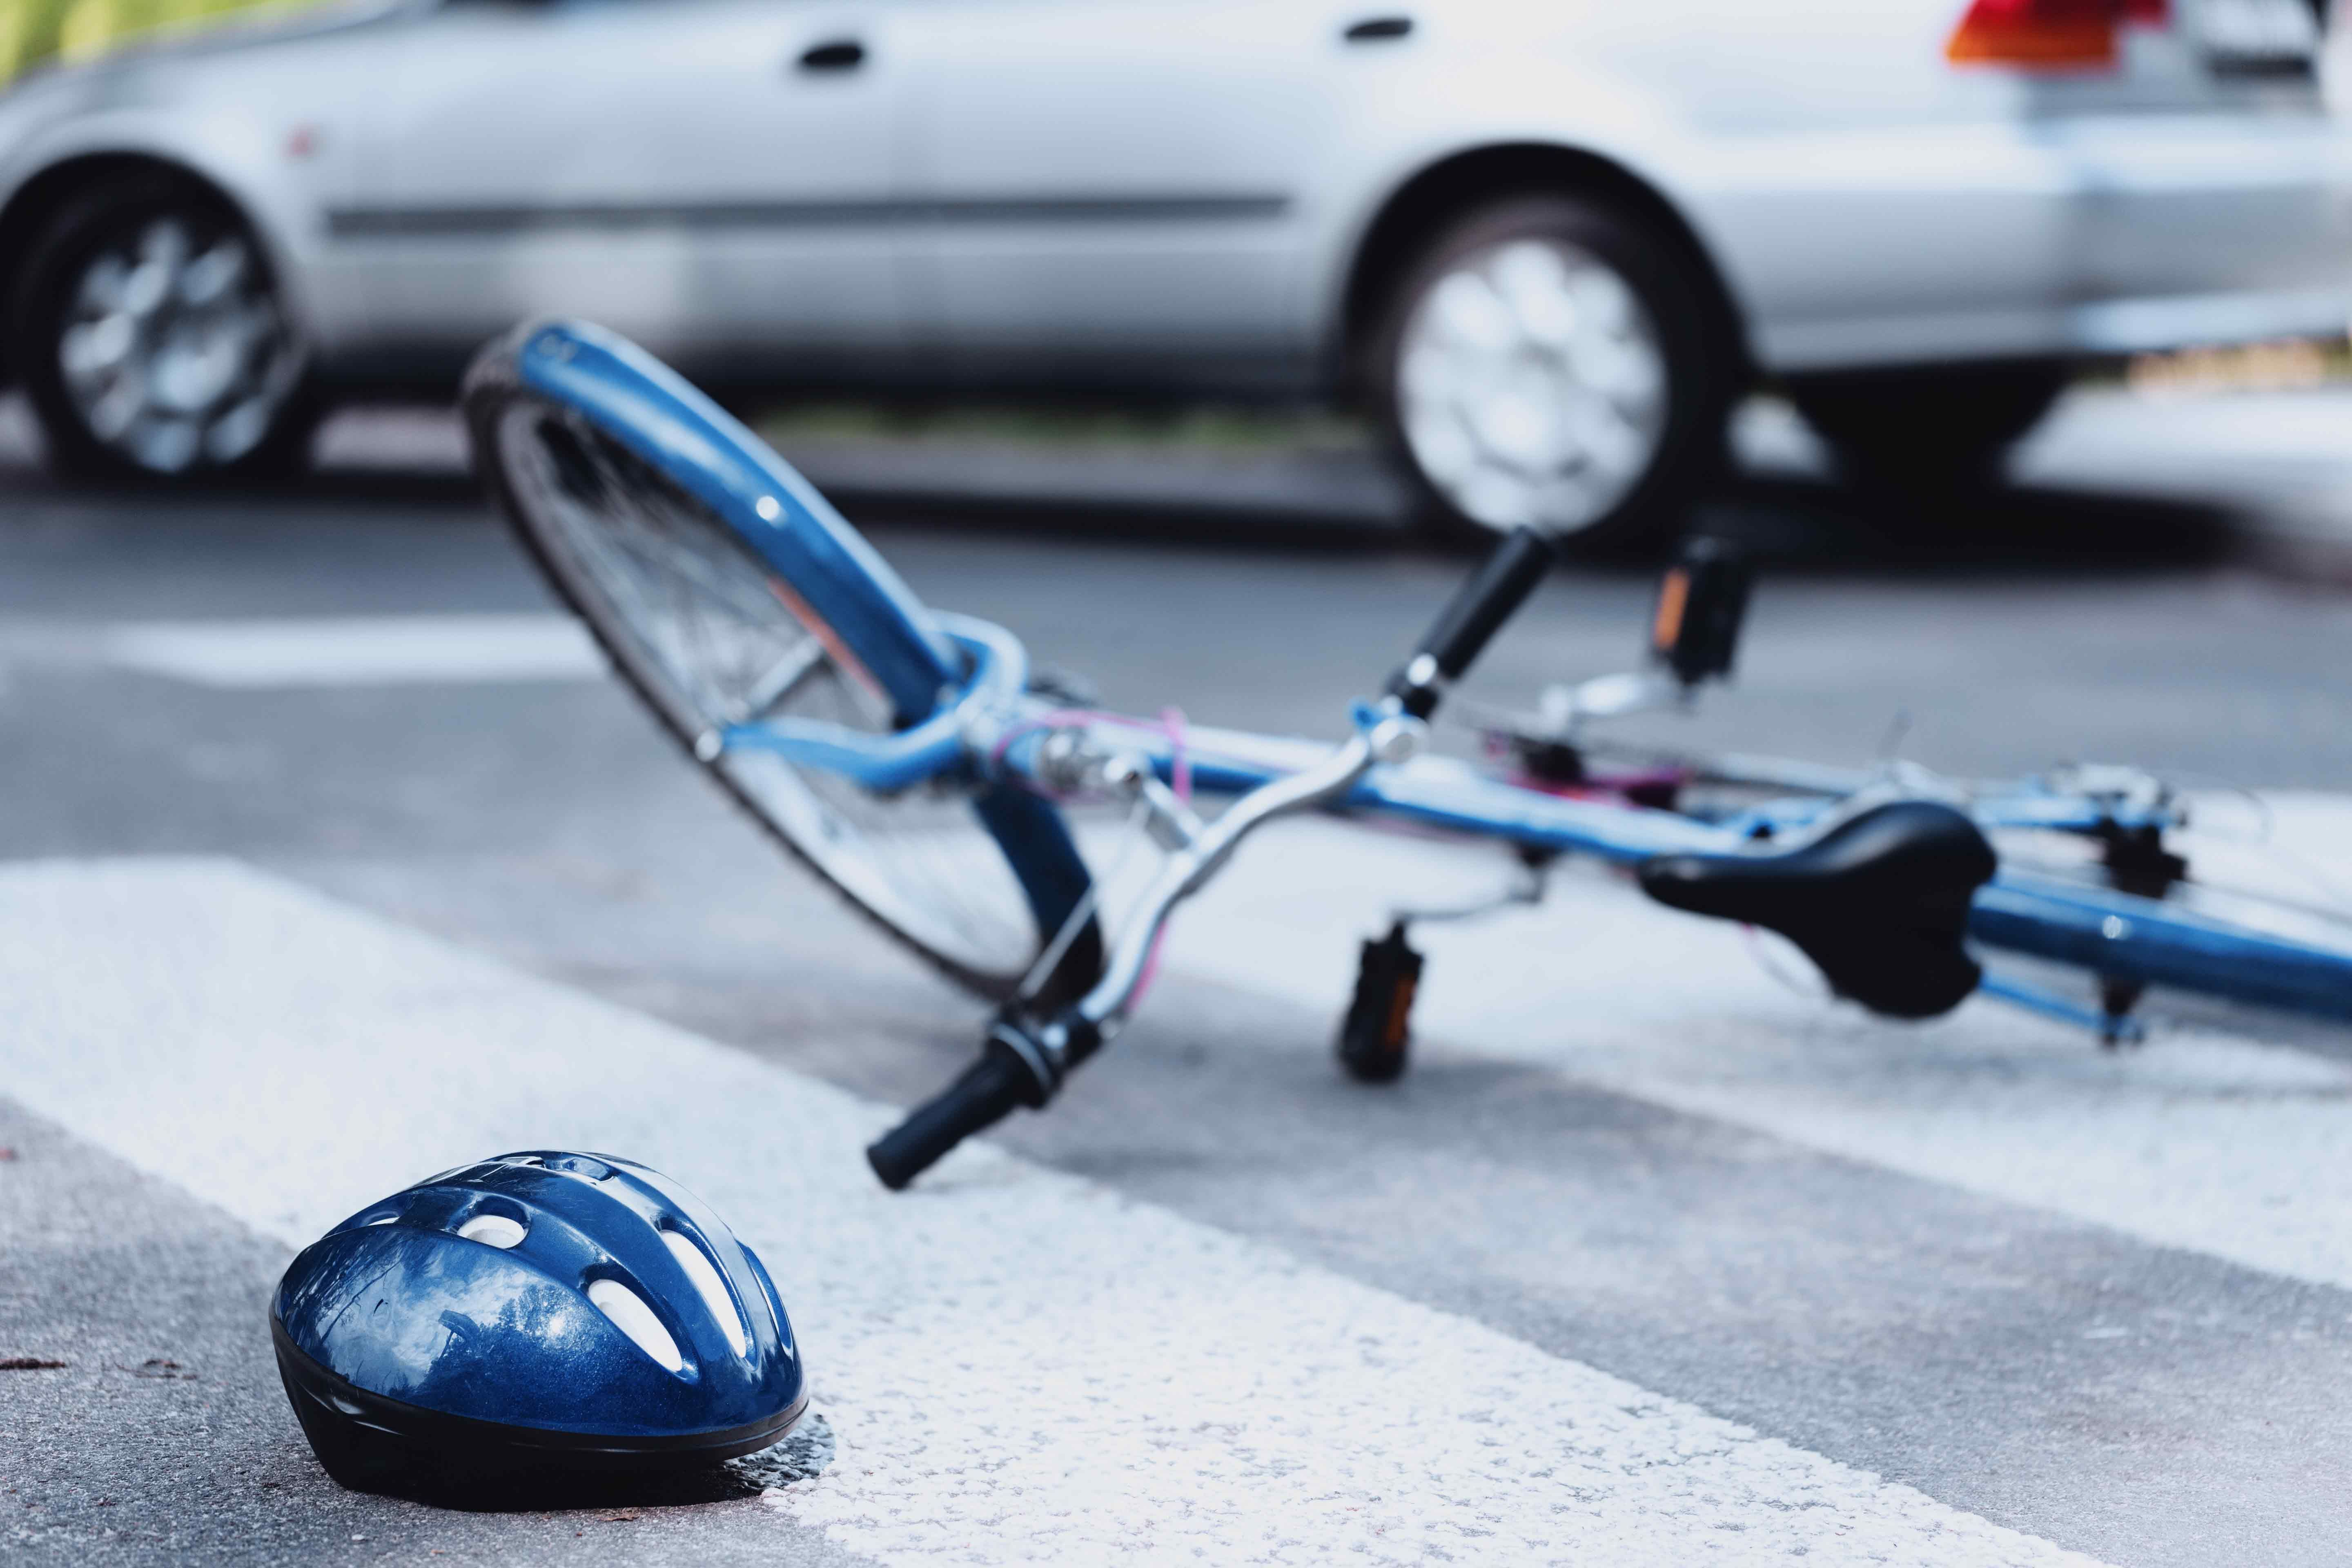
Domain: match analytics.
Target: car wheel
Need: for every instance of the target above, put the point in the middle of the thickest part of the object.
(1548, 362)
(152, 338)
(1927, 428)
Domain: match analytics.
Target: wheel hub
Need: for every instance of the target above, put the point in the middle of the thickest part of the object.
(1532, 386)
(173, 351)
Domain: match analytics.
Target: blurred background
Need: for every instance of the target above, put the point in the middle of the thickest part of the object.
(33, 32)
(1485, 265)
(1987, 321)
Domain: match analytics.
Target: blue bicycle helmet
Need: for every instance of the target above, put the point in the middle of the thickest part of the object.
(532, 1312)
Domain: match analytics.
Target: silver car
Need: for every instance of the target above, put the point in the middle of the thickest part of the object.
(1544, 242)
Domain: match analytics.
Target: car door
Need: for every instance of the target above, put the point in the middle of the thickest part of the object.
(2209, 166)
(711, 176)
(1113, 187)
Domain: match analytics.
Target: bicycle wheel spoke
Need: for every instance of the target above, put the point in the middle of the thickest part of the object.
(697, 624)
(782, 680)
(694, 586)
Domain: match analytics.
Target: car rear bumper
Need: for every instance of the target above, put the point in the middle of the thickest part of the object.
(2120, 235)
(2088, 330)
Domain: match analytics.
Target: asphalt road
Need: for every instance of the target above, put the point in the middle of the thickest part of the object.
(2099, 1377)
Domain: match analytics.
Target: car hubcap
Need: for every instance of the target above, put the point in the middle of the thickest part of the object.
(1531, 387)
(173, 350)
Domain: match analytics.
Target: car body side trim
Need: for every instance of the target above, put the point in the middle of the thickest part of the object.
(352, 223)
(2092, 326)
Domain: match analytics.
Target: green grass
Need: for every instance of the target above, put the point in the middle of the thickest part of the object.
(33, 31)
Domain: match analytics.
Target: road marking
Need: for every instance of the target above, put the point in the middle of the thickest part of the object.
(358, 650)
(2226, 1146)
(1019, 1366)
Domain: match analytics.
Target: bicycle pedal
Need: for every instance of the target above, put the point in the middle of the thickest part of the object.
(1377, 1033)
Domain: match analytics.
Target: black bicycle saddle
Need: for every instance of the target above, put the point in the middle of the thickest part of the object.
(1879, 902)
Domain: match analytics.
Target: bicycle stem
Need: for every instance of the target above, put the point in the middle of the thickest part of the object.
(1395, 733)
(1189, 869)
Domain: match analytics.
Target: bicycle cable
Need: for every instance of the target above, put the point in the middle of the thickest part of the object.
(1172, 724)
(1050, 956)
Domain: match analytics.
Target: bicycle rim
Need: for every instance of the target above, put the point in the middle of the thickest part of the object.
(709, 637)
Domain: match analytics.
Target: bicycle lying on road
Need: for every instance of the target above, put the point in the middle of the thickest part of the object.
(910, 758)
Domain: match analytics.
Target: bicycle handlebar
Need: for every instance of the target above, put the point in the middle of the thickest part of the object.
(1469, 622)
(985, 1094)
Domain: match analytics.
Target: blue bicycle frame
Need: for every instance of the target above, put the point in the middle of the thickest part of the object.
(2110, 934)
(965, 718)
(960, 686)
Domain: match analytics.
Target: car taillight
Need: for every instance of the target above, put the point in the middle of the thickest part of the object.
(2049, 35)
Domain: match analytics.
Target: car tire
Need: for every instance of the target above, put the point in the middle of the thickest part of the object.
(1928, 429)
(153, 340)
(1552, 360)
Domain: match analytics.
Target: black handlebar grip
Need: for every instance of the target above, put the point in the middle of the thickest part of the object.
(982, 1097)
(1464, 629)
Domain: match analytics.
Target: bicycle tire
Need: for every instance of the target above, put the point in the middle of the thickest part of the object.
(614, 472)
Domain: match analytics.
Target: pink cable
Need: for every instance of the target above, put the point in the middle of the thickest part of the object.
(1179, 765)
(1180, 781)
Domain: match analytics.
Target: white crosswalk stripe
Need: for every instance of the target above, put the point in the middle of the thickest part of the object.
(355, 650)
(1022, 1366)
(2226, 1146)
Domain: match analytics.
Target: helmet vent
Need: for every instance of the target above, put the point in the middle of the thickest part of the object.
(634, 1317)
(492, 1230)
(711, 1288)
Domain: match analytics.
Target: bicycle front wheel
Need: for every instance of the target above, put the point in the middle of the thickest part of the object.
(726, 592)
